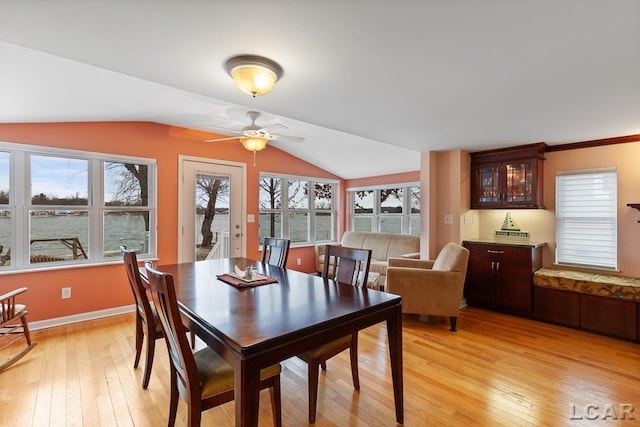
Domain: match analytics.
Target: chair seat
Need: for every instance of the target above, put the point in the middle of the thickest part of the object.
(216, 375)
(321, 350)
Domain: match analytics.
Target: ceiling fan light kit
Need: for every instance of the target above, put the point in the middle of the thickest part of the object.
(254, 143)
(255, 75)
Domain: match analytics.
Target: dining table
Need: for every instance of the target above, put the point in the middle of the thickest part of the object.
(254, 325)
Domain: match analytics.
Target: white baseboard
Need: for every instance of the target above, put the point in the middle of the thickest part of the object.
(82, 317)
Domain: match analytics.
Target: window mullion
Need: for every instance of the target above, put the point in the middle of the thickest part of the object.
(96, 209)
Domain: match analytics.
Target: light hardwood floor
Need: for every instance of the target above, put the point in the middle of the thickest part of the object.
(496, 370)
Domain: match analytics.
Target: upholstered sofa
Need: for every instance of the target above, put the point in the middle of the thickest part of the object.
(383, 246)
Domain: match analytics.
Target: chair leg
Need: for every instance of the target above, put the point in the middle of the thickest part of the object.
(173, 398)
(148, 363)
(276, 401)
(353, 352)
(139, 338)
(314, 372)
(453, 320)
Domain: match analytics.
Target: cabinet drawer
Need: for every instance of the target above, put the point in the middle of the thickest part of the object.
(504, 252)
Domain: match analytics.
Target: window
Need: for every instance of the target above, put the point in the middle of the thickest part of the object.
(586, 219)
(299, 209)
(64, 207)
(387, 210)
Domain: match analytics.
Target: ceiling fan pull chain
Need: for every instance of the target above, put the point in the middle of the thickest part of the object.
(254, 158)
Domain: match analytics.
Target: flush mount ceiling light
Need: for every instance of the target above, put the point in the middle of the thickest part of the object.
(253, 74)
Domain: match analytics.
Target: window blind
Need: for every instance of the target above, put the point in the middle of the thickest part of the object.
(586, 219)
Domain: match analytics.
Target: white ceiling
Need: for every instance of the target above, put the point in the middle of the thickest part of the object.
(368, 83)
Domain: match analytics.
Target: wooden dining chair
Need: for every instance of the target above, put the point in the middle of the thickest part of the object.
(275, 251)
(347, 266)
(147, 322)
(203, 379)
(13, 327)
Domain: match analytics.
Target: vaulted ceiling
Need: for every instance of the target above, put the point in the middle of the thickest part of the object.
(369, 84)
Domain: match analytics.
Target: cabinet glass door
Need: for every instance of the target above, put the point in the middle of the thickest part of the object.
(519, 180)
(489, 184)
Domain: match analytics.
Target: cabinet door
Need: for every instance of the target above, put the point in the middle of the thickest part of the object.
(521, 189)
(480, 283)
(486, 186)
(514, 284)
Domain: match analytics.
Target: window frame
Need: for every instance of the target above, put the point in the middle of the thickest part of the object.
(562, 256)
(284, 210)
(20, 201)
(377, 215)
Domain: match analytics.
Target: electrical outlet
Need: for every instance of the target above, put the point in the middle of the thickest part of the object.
(448, 219)
(66, 293)
(299, 261)
(475, 218)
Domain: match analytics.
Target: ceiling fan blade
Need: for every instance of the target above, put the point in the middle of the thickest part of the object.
(287, 138)
(223, 139)
(274, 128)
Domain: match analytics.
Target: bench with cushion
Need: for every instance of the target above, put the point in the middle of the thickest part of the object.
(602, 303)
(383, 246)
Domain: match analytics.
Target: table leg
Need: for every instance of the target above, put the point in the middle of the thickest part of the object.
(247, 394)
(394, 332)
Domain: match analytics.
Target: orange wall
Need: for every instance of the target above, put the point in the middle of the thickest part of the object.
(104, 287)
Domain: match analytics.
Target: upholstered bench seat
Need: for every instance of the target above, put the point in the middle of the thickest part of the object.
(626, 288)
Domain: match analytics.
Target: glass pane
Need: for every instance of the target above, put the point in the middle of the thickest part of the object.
(362, 223)
(363, 202)
(489, 191)
(323, 199)
(391, 200)
(414, 225)
(270, 225)
(126, 184)
(298, 194)
(5, 238)
(299, 227)
(415, 200)
(391, 224)
(59, 181)
(519, 182)
(212, 217)
(4, 178)
(324, 220)
(58, 235)
(270, 193)
(126, 228)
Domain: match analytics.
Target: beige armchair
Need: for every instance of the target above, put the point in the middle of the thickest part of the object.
(430, 287)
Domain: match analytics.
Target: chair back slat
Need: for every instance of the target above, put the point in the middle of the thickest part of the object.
(135, 281)
(275, 251)
(347, 265)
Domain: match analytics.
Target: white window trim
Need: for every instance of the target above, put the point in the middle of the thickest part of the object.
(376, 215)
(20, 204)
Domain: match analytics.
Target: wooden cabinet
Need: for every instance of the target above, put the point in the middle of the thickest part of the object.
(500, 276)
(508, 178)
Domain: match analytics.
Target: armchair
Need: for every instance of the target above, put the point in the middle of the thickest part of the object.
(430, 286)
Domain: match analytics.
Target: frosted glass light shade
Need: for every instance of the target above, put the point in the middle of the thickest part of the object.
(252, 74)
(254, 143)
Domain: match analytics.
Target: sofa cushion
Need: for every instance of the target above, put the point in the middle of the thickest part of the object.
(378, 266)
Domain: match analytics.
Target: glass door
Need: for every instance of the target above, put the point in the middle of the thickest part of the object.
(211, 211)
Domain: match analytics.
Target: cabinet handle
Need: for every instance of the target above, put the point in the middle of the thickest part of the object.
(494, 252)
(498, 267)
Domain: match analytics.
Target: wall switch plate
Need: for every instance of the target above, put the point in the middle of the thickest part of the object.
(66, 293)
(251, 218)
(448, 219)
(299, 261)
(475, 218)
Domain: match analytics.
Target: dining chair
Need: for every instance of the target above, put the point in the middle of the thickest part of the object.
(203, 379)
(275, 251)
(13, 326)
(347, 266)
(147, 322)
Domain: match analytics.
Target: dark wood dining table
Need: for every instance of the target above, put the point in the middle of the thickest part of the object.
(254, 327)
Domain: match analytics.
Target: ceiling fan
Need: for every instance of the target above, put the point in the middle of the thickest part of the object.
(254, 137)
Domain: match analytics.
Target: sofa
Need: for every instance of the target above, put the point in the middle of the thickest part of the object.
(383, 246)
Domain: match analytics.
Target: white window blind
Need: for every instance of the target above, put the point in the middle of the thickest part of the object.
(586, 219)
